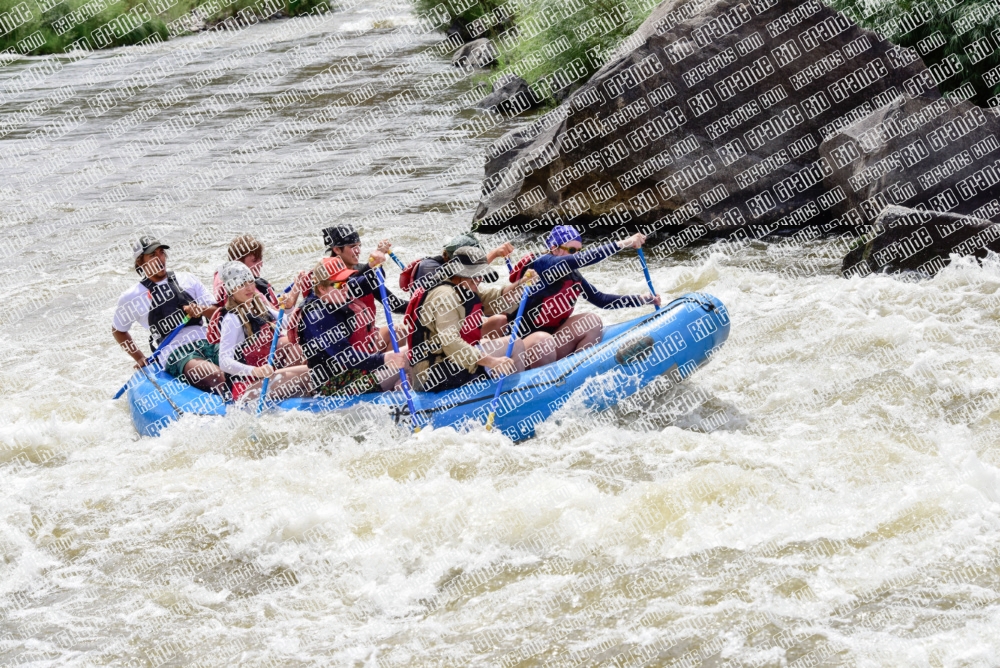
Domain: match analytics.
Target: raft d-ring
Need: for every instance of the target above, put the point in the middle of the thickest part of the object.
(704, 302)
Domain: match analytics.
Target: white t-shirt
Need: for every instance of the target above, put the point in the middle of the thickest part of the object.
(231, 337)
(133, 307)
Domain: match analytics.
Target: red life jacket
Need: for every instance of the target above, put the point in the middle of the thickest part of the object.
(365, 336)
(518, 271)
(254, 350)
(417, 333)
(553, 305)
(406, 276)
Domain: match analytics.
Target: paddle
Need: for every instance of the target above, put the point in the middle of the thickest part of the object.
(645, 270)
(395, 347)
(510, 351)
(160, 389)
(270, 355)
(399, 263)
(156, 353)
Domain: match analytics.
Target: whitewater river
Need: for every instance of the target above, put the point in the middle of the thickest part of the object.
(824, 492)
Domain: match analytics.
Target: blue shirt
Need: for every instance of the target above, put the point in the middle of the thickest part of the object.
(554, 270)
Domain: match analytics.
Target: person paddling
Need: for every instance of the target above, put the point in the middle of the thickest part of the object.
(550, 306)
(247, 250)
(344, 242)
(160, 302)
(339, 358)
(419, 272)
(245, 328)
(445, 324)
(429, 271)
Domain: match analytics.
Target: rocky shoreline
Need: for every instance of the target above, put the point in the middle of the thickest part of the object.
(733, 120)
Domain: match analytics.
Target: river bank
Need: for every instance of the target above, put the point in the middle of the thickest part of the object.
(40, 27)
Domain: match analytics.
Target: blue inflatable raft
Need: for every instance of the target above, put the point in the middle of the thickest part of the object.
(678, 338)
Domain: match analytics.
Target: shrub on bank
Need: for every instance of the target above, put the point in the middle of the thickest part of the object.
(942, 33)
(549, 43)
(37, 27)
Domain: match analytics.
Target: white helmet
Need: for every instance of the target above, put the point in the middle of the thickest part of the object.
(234, 275)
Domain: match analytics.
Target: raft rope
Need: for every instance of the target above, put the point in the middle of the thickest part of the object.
(707, 305)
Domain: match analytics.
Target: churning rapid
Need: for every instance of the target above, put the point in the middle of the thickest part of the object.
(824, 492)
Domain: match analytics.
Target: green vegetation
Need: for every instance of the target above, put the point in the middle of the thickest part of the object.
(967, 31)
(35, 27)
(549, 43)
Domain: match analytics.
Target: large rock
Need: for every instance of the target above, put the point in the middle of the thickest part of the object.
(905, 239)
(941, 155)
(480, 54)
(712, 116)
(510, 97)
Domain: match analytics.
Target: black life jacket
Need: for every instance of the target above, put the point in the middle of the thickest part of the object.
(418, 337)
(266, 291)
(166, 310)
(415, 274)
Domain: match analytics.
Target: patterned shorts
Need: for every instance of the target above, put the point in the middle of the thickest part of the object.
(349, 383)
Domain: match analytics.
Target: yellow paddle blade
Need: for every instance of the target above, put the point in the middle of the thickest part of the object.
(489, 421)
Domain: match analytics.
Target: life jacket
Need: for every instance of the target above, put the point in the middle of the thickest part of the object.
(417, 269)
(518, 271)
(316, 355)
(166, 310)
(263, 287)
(417, 333)
(552, 305)
(365, 336)
(254, 350)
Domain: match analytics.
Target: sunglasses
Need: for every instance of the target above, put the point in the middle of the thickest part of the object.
(572, 250)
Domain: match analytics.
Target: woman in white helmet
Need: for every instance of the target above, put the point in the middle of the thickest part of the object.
(244, 328)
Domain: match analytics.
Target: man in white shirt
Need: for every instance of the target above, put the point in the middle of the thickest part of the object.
(160, 302)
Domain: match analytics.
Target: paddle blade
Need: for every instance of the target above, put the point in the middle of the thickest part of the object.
(489, 421)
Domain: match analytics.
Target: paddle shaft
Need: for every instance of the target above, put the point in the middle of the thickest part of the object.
(160, 389)
(270, 355)
(156, 353)
(399, 263)
(510, 351)
(395, 346)
(645, 270)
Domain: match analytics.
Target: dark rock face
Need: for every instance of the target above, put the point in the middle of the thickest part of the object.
(479, 53)
(941, 155)
(712, 116)
(510, 97)
(920, 241)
